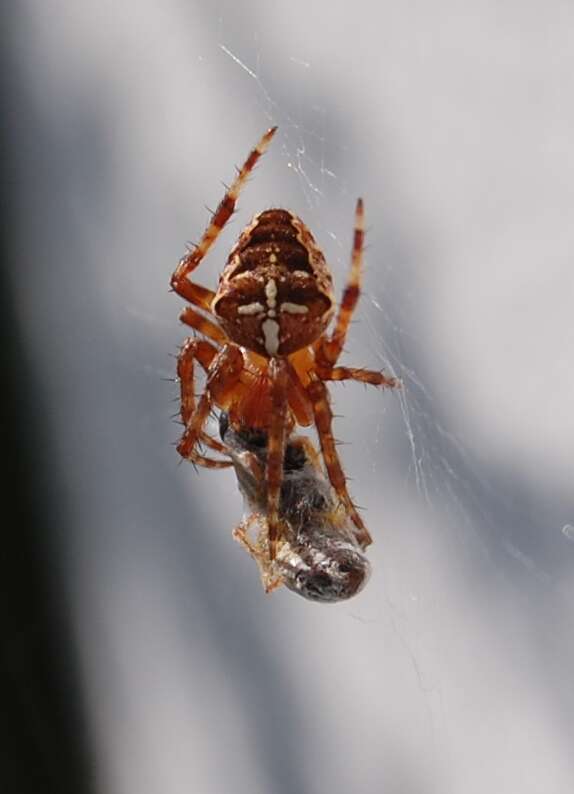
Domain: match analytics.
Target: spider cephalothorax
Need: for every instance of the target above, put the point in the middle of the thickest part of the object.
(268, 356)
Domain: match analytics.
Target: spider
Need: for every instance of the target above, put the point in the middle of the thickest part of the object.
(318, 557)
(266, 351)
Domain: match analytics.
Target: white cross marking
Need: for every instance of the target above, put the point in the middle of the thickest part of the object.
(293, 308)
(271, 293)
(270, 330)
(251, 308)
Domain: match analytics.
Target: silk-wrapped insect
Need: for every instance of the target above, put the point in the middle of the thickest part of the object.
(318, 555)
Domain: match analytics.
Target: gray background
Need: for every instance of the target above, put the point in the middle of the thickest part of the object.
(452, 672)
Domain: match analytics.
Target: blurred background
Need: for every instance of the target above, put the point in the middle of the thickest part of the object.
(139, 651)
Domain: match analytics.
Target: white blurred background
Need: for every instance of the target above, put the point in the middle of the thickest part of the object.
(452, 672)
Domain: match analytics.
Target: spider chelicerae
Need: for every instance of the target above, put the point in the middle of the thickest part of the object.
(264, 344)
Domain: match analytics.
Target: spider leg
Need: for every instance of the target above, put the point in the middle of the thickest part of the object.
(323, 422)
(361, 375)
(214, 444)
(194, 293)
(250, 474)
(204, 352)
(309, 450)
(330, 349)
(196, 320)
(278, 372)
(192, 350)
(222, 377)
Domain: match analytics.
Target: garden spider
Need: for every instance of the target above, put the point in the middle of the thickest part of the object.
(269, 356)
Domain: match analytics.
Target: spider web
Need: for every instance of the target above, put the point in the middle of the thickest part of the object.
(441, 467)
(303, 147)
(459, 648)
(491, 525)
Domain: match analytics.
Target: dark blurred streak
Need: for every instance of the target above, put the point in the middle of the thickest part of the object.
(44, 742)
(47, 750)
(43, 746)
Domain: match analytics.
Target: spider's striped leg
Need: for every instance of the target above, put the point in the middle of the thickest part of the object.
(192, 350)
(317, 392)
(196, 320)
(329, 350)
(203, 352)
(278, 371)
(222, 377)
(194, 293)
(369, 376)
(308, 449)
(200, 323)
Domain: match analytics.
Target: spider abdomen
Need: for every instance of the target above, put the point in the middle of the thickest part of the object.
(275, 294)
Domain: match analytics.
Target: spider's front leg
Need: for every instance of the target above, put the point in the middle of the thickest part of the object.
(195, 293)
(223, 372)
(328, 350)
(323, 415)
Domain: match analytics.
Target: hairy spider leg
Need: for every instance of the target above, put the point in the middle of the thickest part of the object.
(329, 350)
(194, 293)
(222, 378)
(192, 350)
(196, 320)
(309, 451)
(200, 323)
(203, 352)
(323, 422)
(278, 372)
(372, 377)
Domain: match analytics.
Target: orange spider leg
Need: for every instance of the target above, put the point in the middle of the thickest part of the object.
(195, 293)
(192, 350)
(330, 349)
(203, 352)
(222, 378)
(278, 373)
(217, 446)
(200, 296)
(196, 320)
(361, 375)
(323, 421)
(309, 450)
(297, 399)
